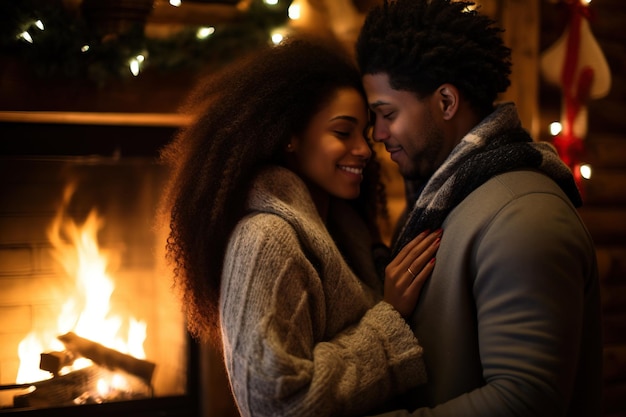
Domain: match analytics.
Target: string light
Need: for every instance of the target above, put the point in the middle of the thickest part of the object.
(470, 8)
(585, 171)
(27, 31)
(277, 38)
(26, 36)
(294, 11)
(205, 32)
(134, 67)
(135, 64)
(555, 128)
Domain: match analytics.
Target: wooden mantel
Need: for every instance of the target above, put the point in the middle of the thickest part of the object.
(96, 118)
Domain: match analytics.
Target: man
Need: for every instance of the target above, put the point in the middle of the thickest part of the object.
(510, 319)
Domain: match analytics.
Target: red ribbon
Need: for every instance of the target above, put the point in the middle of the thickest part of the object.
(569, 146)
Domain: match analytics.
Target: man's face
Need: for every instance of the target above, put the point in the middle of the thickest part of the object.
(409, 127)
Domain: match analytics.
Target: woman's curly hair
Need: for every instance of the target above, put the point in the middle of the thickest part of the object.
(422, 44)
(245, 116)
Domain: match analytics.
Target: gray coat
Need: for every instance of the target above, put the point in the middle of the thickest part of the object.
(511, 315)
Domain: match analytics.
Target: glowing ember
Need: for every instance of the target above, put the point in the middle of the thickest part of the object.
(87, 312)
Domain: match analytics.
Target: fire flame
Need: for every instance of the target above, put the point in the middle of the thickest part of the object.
(86, 312)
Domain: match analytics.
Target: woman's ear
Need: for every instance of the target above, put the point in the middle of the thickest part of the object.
(291, 158)
(448, 96)
(291, 146)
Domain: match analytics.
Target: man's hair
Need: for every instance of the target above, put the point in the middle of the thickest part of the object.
(421, 44)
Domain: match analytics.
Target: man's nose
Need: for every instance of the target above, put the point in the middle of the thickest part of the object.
(379, 132)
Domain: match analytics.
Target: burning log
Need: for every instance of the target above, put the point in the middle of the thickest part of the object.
(54, 361)
(83, 386)
(57, 391)
(108, 358)
(94, 384)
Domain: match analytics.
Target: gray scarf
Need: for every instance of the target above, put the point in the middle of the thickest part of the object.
(496, 145)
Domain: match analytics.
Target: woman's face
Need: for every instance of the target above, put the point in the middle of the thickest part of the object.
(332, 151)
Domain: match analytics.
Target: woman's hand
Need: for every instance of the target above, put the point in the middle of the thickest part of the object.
(406, 273)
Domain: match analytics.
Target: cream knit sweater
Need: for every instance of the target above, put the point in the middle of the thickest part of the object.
(302, 335)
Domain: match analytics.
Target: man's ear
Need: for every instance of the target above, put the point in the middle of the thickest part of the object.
(449, 98)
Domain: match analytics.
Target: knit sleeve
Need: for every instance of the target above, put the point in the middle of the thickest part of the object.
(279, 361)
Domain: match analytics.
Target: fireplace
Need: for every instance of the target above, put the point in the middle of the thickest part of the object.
(84, 295)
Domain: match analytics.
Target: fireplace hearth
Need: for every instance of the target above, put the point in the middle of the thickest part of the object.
(64, 178)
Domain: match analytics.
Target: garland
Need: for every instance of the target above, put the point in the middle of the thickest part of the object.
(59, 49)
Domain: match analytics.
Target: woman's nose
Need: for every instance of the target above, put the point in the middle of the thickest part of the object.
(362, 148)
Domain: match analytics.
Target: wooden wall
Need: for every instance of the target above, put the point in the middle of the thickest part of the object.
(604, 209)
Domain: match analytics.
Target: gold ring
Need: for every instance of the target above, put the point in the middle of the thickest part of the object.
(411, 272)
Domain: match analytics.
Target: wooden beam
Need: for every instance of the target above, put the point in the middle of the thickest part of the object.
(97, 118)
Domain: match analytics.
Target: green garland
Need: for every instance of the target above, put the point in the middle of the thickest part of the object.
(56, 51)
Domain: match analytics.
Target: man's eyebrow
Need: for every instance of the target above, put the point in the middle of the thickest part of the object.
(377, 103)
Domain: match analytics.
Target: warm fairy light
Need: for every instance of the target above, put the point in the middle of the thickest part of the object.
(84, 48)
(176, 3)
(134, 67)
(271, 2)
(555, 128)
(135, 64)
(585, 171)
(294, 11)
(277, 37)
(205, 32)
(26, 36)
(87, 311)
(585, 2)
(470, 8)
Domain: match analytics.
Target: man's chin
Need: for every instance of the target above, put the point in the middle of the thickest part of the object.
(409, 173)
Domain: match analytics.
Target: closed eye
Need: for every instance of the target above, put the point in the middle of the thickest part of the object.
(342, 133)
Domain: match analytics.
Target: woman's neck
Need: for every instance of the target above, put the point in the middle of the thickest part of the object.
(320, 198)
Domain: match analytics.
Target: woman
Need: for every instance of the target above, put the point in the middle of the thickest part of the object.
(270, 228)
